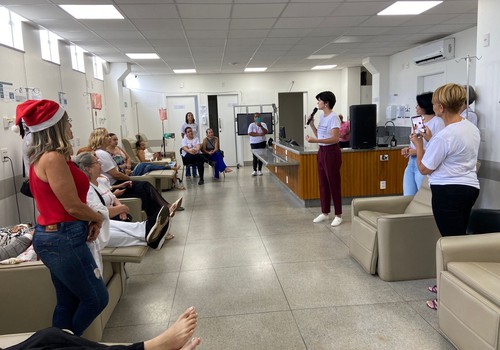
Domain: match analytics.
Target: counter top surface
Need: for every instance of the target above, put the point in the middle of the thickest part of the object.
(310, 150)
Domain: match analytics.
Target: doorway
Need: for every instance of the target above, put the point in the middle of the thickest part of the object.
(221, 120)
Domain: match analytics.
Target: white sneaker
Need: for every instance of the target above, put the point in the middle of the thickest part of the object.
(337, 221)
(321, 217)
(259, 173)
(254, 173)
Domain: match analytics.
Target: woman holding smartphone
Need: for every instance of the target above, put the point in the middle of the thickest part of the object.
(412, 178)
(450, 163)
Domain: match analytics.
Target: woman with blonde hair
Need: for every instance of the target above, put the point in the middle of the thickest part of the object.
(65, 223)
(151, 199)
(450, 163)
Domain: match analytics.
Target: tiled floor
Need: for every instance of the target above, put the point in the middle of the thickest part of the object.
(263, 276)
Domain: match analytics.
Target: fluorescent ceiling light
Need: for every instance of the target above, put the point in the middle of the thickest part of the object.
(143, 56)
(256, 69)
(184, 71)
(92, 11)
(408, 8)
(330, 66)
(320, 57)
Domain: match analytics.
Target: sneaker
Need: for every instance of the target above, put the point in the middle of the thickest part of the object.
(179, 186)
(259, 173)
(321, 217)
(254, 173)
(337, 221)
(162, 237)
(201, 182)
(156, 227)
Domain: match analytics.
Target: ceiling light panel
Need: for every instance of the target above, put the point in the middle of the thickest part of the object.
(408, 8)
(255, 69)
(92, 11)
(143, 56)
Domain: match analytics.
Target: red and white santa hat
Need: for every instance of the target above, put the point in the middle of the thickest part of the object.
(39, 115)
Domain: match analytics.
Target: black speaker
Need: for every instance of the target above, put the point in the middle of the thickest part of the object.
(363, 126)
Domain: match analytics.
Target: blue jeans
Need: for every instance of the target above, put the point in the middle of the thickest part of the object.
(143, 168)
(80, 290)
(412, 179)
(188, 170)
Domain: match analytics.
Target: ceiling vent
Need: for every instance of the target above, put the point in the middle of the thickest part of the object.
(435, 51)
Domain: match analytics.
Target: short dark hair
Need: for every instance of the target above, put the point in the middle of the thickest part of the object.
(327, 97)
(424, 101)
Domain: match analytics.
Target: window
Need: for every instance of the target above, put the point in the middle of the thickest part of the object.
(77, 58)
(50, 46)
(10, 29)
(98, 63)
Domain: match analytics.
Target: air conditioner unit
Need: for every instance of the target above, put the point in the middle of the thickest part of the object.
(435, 51)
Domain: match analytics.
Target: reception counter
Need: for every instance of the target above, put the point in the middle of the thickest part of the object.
(364, 172)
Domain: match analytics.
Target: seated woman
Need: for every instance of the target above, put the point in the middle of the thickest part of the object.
(145, 166)
(18, 245)
(119, 155)
(151, 199)
(191, 153)
(210, 148)
(121, 233)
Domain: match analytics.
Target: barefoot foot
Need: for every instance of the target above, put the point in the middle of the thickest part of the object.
(192, 344)
(177, 335)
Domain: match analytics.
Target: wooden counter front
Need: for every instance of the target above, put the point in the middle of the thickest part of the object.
(361, 172)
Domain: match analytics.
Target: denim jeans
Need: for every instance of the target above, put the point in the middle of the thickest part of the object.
(80, 290)
(412, 179)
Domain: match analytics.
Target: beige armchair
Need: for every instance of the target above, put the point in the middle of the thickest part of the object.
(395, 236)
(468, 271)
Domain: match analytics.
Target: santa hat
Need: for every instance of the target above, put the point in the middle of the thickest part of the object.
(39, 115)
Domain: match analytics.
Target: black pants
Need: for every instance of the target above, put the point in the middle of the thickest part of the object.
(54, 338)
(256, 162)
(151, 199)
(451, 206)
(196, 159)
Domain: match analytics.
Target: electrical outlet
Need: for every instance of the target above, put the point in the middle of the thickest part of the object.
(382, 185)
(384, 157)
(5, 155)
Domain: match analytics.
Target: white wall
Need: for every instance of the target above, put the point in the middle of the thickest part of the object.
(488, 102)
(404, 73)
(27, 69)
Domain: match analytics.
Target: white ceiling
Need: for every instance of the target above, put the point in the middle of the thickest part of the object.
(226, 36)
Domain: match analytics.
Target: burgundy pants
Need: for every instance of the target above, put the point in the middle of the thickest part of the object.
(329, 162)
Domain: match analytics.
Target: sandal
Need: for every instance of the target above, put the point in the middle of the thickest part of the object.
(433, 289)
(432, 304)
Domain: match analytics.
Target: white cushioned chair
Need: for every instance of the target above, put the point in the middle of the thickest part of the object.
(468, 276)
(395, 236)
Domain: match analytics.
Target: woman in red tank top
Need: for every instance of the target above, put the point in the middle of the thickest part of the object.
(65, 223)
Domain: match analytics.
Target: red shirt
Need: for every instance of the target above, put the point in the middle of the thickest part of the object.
(50, 209)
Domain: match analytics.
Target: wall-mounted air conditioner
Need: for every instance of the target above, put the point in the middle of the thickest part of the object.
(435, 51)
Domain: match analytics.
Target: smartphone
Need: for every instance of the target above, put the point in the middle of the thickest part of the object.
(417, 123)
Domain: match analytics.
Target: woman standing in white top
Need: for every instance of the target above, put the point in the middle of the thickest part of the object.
(450, 163)
(412, 179)
(257, 131)
(329, 157)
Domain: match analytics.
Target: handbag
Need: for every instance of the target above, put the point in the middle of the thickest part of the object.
(25, 188)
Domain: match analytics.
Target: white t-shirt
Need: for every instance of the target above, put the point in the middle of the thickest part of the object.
(436, 124)
(190, 144)
(471, 116)
(325, 126)
(193, 126)
(104, 189)
(107, 164)
(253, 127)
(452, 155)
